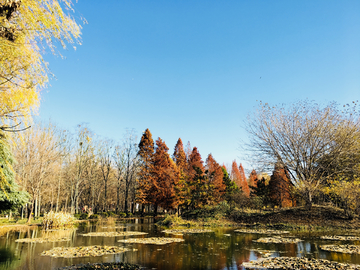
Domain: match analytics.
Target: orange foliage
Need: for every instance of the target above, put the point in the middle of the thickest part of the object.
(280, 187)
(179, 155)
(215, 175)
(194, 161)
(165, 177)
(253, 178)
(146, 152)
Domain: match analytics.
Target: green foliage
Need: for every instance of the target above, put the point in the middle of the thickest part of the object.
(169, 221)
(94, 216)
(207, 211)
(83, 216)
(122, 214)
(260, 195)
(10, 196)
(231, 187)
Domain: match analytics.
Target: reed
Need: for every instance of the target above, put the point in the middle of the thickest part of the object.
(57, 219)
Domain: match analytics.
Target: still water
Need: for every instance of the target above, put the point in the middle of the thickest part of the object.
(218, 250)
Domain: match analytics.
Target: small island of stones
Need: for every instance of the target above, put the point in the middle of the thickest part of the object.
(113, 234)
(182, 231)
(277, 240)
(84, 251)
(260, 231)
(342, 248)
(42, 240)
(152, 240)
(340, 238)
(290, 263)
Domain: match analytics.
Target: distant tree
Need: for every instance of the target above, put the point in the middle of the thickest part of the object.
(105, 151)
(179, 155)
(180, 159)
(215, 176)
(194, 161)
(195, 180)
(281, 188)
(262, 191)
(145, 182)
(11, 197)
(253, 179)
(244, 183)
(238, 176)
(127, 166)
(165, 175)
(235, 174)
(301, 136)
(230, 186)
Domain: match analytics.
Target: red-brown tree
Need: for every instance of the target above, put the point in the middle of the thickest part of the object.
(253, 178)
(145, 181)
(235, 174)
(280, 187)
(179, 155)
(215, 177)
(244, 184)
(165, 176)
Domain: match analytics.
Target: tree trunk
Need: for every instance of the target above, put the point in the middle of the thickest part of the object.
(155, 210)
(31, 210)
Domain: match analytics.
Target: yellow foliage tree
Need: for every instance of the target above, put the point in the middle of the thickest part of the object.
(27, 28)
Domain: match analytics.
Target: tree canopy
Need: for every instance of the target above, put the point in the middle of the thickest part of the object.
(27, 27)
(305, 138)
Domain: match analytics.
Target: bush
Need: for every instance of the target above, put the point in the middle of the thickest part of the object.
(77, 216)
(208, 212)
(122, 215)
(55, 220)
(129, 214)
(104, 214)
(94, 216)
(111, 214)
(83, 216)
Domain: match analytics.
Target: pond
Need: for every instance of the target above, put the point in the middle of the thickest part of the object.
(222, 248)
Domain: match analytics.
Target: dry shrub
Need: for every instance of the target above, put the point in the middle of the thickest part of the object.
(56, 220)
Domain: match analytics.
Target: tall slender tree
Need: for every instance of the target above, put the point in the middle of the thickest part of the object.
(179, 155)
(244, 184)
(165, 176)
(146, 153)
(215, 176)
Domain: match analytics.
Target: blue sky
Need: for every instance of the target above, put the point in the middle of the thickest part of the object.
(196, 69)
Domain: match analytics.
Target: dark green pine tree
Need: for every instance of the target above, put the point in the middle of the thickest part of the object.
(231, 187)
(10, 196)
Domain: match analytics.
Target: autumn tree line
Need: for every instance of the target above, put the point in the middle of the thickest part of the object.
(57, 170)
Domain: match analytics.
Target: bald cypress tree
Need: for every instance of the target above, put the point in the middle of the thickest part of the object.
(215, 177)
(145, 181)
(165, 178)
(179, 155)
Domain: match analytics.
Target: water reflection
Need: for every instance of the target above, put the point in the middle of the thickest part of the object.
(219, 250)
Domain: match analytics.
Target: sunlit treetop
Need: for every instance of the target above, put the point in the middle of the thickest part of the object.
(27, 29)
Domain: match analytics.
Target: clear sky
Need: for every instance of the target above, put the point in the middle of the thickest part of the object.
(196, 69)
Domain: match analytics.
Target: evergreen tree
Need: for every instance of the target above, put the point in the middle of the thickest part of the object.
(230, 186)
(10, 196)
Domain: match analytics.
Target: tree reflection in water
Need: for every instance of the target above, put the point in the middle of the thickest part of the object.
(221, 249)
